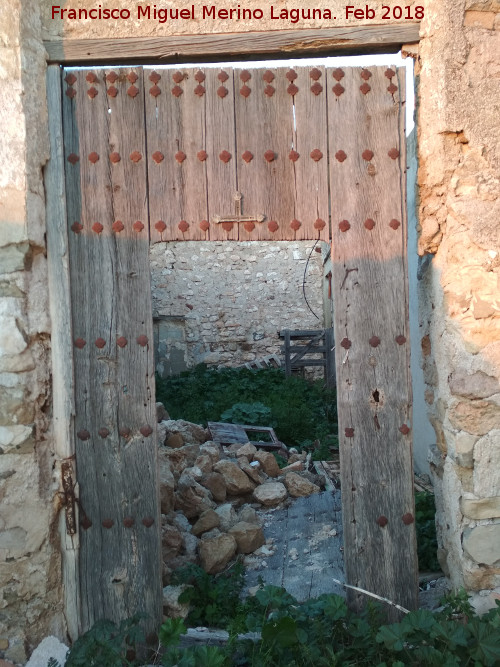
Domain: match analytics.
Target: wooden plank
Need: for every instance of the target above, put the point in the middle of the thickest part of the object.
(366, 111)
(288, 365)
(114, 385)
(311, 143)
(346, 39)
(299, 333)
(330, 358)
(175, 124)
(221, 150)
(266, 178)
(62, 349)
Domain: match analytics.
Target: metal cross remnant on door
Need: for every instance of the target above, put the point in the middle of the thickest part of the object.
(238, 217)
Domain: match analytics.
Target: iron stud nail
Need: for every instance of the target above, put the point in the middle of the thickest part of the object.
(73, 158)
(349, 432)
(369, 224)
(180, 156)
(183, 226)
(92, 92)
(154, 91)
(132, 77)
(319, 224)
(122, 341)
(268, 76)
(393, 153)
(316, 88)
(365, 74)
(367, 155)
(80, 343)
(202, 155)
(245, 91)
(138, 226)
(295, 224)
(223, 76)
(103, 432)
(293, 155)
(374, 341)
(142, 340)
(85, 523)
(292, 89)
(115, 157)
(108, 523)
(199, 90)
(247, 156)
(404, 429)
(400, 340)
(269, 156)
(160, 226)
(154, 77)
(345, 343)
(70, 79)
(225, 156)
(76, 227)
(382, 521)
(204, 225)
(221, 92)
(83, 434)
(365, 88)
(112, 91)
(316, 155)
(269, 91)
(135, 156)
(344, 225)
(394, 224)
(272, 225)
(338, 89)
(132, 91)
(338, 74)
(117, 226)
(158, 157)
(340, 156)
(291, 75)
(408, 519)
(124, 432)
(245, 76)
(97, 227)
(178, 76)
(148, 521)
(100, 343)
(112, 77)
(128, 521)
(176, 91)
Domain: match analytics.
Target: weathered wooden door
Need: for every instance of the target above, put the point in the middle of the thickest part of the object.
(115, 419)
(235, 154)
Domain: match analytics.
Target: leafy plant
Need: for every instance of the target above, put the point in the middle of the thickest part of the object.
(106, 644)
(252, 414)
(425, 525)
(301, 411)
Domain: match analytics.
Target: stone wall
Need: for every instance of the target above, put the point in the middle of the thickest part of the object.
(459, 160)
(30, 574)
(459, 189)
(225, 302)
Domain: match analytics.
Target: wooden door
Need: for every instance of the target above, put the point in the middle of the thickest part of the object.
(116, 449)
(235, 154)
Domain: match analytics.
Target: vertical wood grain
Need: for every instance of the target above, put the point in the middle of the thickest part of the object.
(372, 332)
(114, 386)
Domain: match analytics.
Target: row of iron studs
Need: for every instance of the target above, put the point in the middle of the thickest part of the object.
(245, 76)
(128, 522)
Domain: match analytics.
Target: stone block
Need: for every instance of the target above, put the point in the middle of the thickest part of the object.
(482, 544)
(237, 482)
(216, 552)
(476, 385)
(13, 257)
(15, 407)
(478, 19)
(270, 494)
(12, 339)
(17, 439)
(248, 536)
(487, 465)
(477, 417)
(268, 463)
(484, 508)
(298, 486)
(464, 449)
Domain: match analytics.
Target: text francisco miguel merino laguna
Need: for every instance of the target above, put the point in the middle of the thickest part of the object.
(162, 15)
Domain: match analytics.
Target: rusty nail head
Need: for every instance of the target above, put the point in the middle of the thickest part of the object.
(315, 74)
(245, 76)
(374, 341)
(269, 91)
(365, 88)
(249, 226)
(92, 92)
(392, 89)
(177, 77)
(245, 91)
(222, 91)
(112, 77)
(294, 156)
(199, 90)
(292, 89)
(340, 156)
(176, 91)
(272, 225)
(227, 226)
(338, 74)
(103, 432)
(316, 155)
(367, 155)
(180, 156)
(295, 224)
(132, 91)
(316, 88)
(204, 225)
(344, 225)
(70, 79)
(154, 77)
(122, 341)
(148, 521)
(268, 76)
(389, 73)
(115, 157)
(91, 77)
(225, 156)
(160, 226)
(369, 223)
(338, 89)
(117, 226)
(146, 430)
(199, 76)
(142, 340)
(76, 227)
(382, 521)
(365, 74)
(97, 227)
(408, 519)
(80, 343)
(319, 224)
(158, 157)
(83, 434)
(400, 340)
(404, 429)
(73, 158)
(138, 226)
(108, 523)
(70, 92)
(128, 521)
(135, 156)
(112, 91)
(247, 156)
(183, 226)
(202, 155)
(154, 91)
(100, 343)
(349, 432)
(345, 343)
(269, 156)
(124, 432)
(223, 76)
(291, 75)
(85, 523)
(393, 153)
(394, 224)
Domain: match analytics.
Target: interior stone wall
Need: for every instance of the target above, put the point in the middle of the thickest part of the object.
(459, 160)
(231, 299)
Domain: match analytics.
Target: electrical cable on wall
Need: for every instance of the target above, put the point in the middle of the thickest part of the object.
(304, 279)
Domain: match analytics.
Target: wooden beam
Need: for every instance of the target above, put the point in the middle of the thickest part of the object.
(62, 349)
(277, 43)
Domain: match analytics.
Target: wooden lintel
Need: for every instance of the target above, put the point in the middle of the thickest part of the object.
(280, 43)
